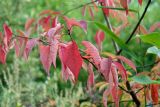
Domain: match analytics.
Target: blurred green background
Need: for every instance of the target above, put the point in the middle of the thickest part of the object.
(25, 83)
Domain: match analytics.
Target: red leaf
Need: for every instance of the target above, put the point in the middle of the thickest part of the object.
(124, 4)
(140, 2)
(154, 27)
(45, 23)
(20, 45)
(109, 90)
(2, 55)
(52, 32)
(29, 46)
(92, 52)
(121, 69)
(91, 13)
(55, 21)
(115, 86)
(7, 35)
(53, 51)
(83, 25)
(127, 61)
(90, 81)
(105, 10)
(45, 57)
(83, 10)
(71, 58)
(72, 22)
(28, 23)
(105, 67)
(99, 37)
(154, 93)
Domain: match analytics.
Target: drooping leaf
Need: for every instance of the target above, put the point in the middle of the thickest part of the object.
(143, 79)
(127, 61)
(105, 67)
(83, 10)
(71, 58)
(121, 69)
(104, 3)
(29, 46)
(154, 93)
(108, 90)
(45, 22)
(71, 22)
(90, 81)
(53, 51)
(154, 50)
(91, 13)
(154, 27)
(52, 32)
(28, 23)
(45, 57)
(7, 35)
(124, 4)
(20, 45)
(99, 37)
(152, 38)
(83, 25)
(140, 2)
(115, 86)
(92, 52)
(2, 55)
(112, 35)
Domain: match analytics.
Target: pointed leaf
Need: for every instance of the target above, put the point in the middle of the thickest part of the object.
(90, 81)
(2, 55)
(112, 35)
(92, 52)
(127, 61)
(45, 57)
(140, 2)
(154, 93)
(152, 38)
(29, 46)
(105, 67)
(54, 50)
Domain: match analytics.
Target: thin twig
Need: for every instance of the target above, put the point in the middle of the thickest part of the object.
(68, 11)
(134, 30)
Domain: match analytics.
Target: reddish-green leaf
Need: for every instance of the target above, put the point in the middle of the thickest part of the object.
(92, 52)
(99, 37)
(154, 27)
(127, 61)
(124, 4)
(28, 23)
(121, 69)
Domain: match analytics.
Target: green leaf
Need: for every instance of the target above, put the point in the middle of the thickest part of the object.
(143, 79)
(152, 38)
(154, 50)
(112, 35)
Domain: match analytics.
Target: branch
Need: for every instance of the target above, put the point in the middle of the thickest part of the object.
(134, 30)
(68, 11)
